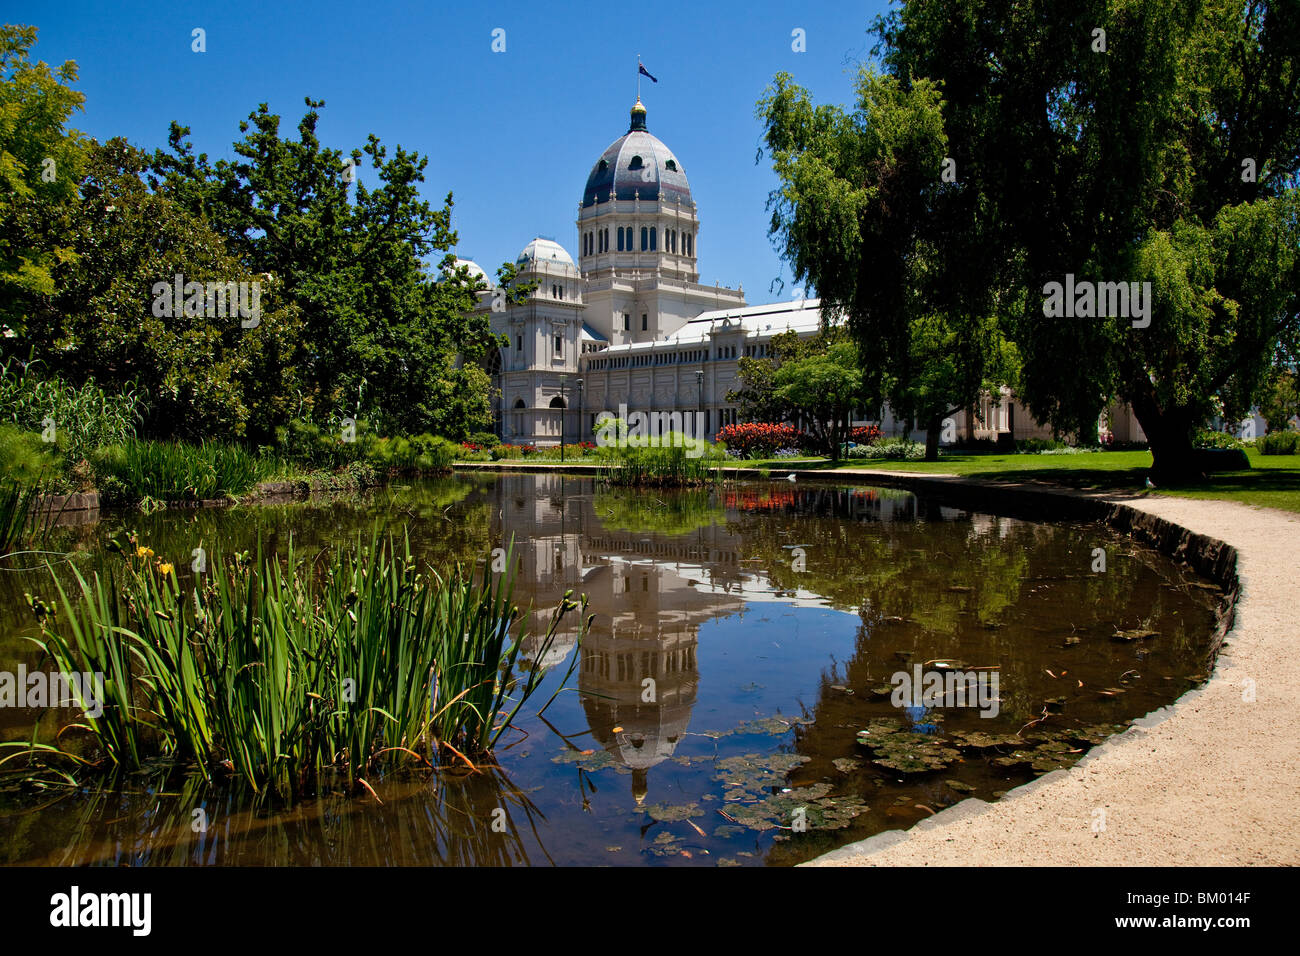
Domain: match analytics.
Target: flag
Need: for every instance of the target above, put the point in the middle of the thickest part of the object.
(640, 68)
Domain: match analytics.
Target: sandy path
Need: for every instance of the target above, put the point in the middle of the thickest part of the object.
(1211, 780)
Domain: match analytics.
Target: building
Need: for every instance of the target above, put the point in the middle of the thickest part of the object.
(629, 325)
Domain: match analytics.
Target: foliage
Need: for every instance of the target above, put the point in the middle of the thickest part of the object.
(1208, 438)
(864, 215)
(673, 460)
(40, 160)
(759, 439)
(197, 375)
(172, 471)
(17, 499)
(1281, 402)
(383, 335)
(23, 456)
(1169, 159)
(902, 449)
(281, 672)
(84, 417)
(1278, 443)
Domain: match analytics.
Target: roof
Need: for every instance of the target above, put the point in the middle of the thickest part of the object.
(544, 251)
(800, 315)
(637, 165)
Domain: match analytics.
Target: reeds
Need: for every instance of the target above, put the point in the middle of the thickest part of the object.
(283, 672)
(16, 501)
(665, 465)
(170, 471)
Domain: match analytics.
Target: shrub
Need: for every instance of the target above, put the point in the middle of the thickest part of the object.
(1036, 446)
(760, 439)
(902, 449)
(1278, 443)
(1208, 438)
(23, 456)
(84, 416)
(864, 434)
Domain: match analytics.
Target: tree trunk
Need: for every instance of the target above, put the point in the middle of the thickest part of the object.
(932, 430)
(1169, 435)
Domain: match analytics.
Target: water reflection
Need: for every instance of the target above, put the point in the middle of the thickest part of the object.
(740, 640)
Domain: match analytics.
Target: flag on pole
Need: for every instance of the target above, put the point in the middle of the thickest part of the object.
(640, 68)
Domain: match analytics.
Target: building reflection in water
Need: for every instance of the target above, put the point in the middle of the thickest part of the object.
(638, 675)
(648, 593)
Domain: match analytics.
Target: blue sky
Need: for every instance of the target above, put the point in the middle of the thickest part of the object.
(512, 134)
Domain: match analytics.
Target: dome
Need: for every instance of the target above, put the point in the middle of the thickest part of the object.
(637, 165)
(544, 251)
(475, 270)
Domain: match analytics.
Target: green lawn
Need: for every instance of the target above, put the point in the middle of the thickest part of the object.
(1272, 482)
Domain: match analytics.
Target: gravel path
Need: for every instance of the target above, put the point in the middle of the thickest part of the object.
(1213, 780)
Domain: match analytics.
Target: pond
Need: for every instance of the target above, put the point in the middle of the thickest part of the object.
(735, 702)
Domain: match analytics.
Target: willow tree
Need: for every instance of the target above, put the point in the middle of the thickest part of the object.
(1092, 144)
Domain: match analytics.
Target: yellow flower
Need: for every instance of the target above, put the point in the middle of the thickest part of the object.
(164, 568)
(143, 552)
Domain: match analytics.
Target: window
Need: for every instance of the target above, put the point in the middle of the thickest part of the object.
(645, 239)
(636, 163)
(645, 319)
(604, 239)
(627, 321)
(519, 343)
(559, 345)
(652, 238)
(671, 164)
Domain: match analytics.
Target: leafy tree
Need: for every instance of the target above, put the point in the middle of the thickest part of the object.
(1281, 403)
(40, 159)
(1147, 141)
(866, 216)
(199, 376)
(816, 382)
(384, 335)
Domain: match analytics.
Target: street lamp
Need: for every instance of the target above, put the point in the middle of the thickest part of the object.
(581, 409)
(699, 390)
(564, 413)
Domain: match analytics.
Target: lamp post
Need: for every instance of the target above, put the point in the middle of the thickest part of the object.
(564, 413)
(699, 390)
(581, 409)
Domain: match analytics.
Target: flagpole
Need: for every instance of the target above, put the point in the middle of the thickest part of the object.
(638, 77)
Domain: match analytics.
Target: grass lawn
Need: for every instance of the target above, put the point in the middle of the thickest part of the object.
(1272, 482)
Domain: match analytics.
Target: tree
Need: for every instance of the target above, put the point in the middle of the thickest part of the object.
(1281, 403)
(815, 382)
(40, 160)
(386, 336)
(201, 375)
(867, 214)
(1122, 141)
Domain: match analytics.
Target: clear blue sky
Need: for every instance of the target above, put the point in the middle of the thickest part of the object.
(512, 134)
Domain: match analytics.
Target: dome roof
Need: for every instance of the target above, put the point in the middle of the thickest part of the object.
(637, 165)
(544, 251)
(475, 270)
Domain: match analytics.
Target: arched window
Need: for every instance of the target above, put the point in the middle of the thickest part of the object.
(519, 403)
(653, 237)
(604, 244)
(620, 238)
(557, 402)
(645, 238)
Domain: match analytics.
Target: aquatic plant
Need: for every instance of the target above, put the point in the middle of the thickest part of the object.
(136, 469)
(278, 672)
